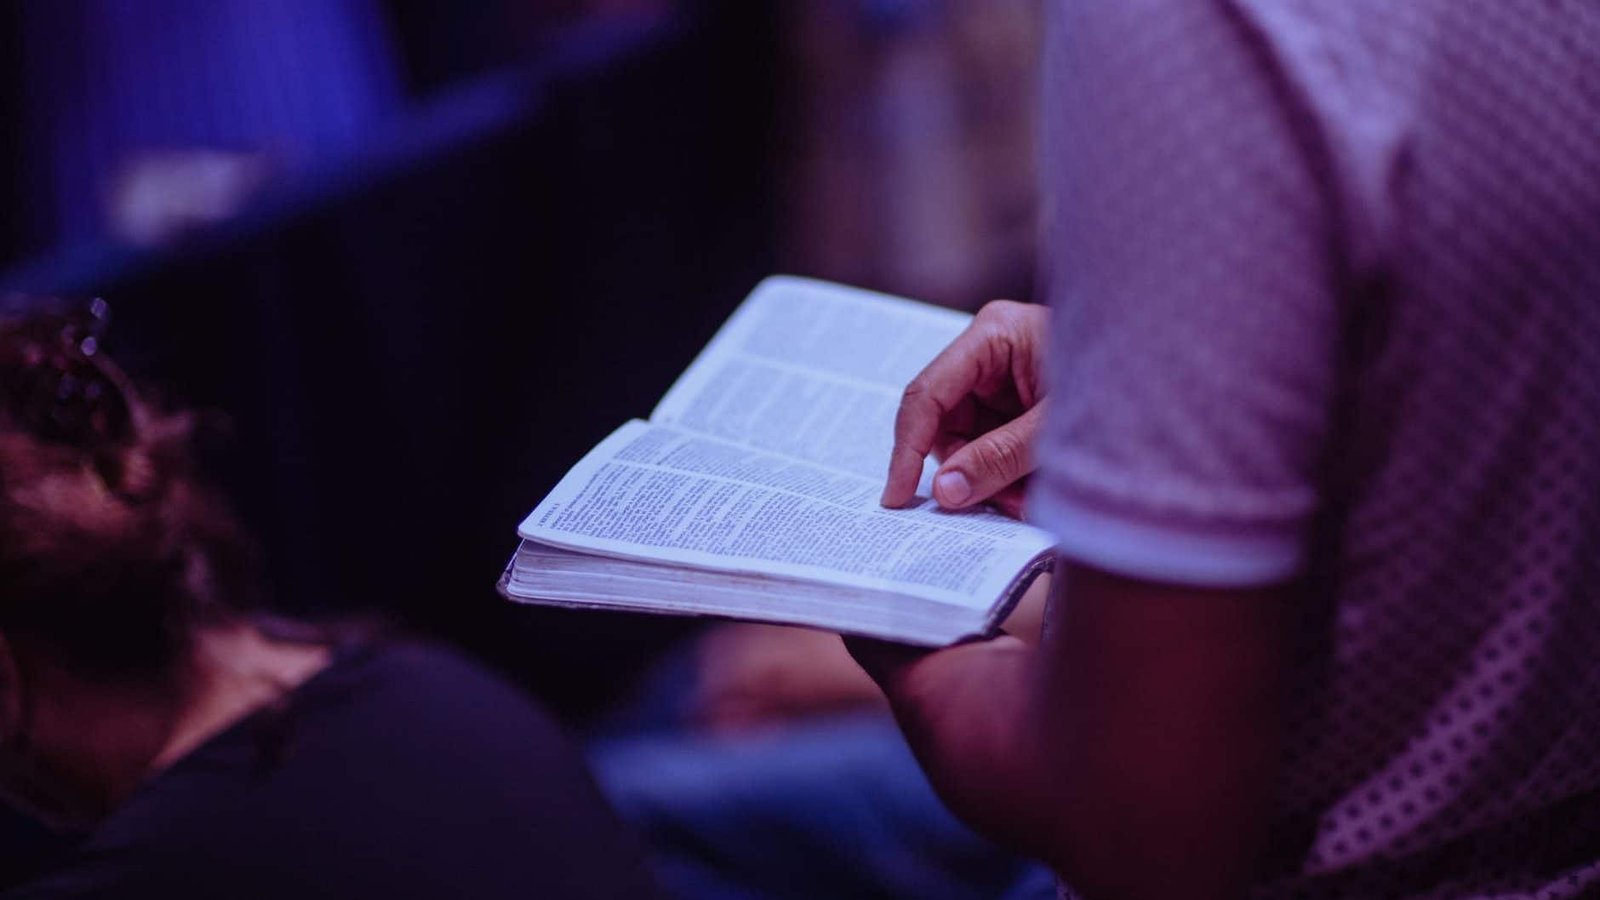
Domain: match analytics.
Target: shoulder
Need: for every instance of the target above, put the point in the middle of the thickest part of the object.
(449, 706)
(89, 875)
(401, 769)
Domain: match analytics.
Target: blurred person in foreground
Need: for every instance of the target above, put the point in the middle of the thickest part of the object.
(207, 752)
(1321, 450)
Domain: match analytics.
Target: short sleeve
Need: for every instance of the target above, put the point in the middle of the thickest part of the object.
(1193, 271)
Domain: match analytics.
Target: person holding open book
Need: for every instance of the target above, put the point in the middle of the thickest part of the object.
(1318, 440)
(205, 751)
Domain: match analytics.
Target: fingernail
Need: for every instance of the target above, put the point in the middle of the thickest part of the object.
(952, 488)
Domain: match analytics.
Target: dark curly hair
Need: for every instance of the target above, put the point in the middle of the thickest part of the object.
(114, 549)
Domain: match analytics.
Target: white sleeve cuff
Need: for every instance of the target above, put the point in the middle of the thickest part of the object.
(1155, 552)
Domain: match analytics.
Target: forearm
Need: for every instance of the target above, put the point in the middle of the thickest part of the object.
(1133, 752)
(966, 713)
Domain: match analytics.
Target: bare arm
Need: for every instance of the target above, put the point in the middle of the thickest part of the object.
(1134, 750)
(1160, 707)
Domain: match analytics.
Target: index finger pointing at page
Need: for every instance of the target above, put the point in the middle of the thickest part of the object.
(923, 406)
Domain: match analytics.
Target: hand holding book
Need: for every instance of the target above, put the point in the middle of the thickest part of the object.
(976, 407)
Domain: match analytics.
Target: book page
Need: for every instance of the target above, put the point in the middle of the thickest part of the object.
(659, 493)
(811, 370)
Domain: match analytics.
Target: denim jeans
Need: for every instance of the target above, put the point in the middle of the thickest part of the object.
(824, 808)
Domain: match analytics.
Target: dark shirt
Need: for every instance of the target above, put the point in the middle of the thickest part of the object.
(399, 771)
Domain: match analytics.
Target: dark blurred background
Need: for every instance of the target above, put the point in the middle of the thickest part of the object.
(419, 255)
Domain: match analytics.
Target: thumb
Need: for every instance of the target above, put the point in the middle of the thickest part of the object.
(990, 463)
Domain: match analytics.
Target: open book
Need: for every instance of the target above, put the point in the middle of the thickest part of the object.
(752, 491)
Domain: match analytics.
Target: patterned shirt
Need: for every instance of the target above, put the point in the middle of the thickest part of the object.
(1327, 290)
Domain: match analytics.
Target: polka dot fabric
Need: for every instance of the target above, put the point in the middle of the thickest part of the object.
(1327, 280)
